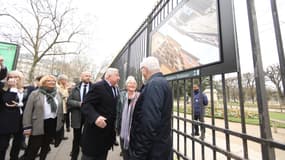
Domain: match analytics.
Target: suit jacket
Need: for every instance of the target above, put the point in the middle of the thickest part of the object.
(74, 106)
(98, 101)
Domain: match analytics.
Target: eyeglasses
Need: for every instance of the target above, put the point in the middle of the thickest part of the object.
(13, 77)
(50, 81)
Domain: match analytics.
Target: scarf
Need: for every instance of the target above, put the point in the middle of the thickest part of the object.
(127, 117)
(50, 95)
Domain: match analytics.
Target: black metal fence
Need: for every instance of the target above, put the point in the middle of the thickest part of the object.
(224, 139)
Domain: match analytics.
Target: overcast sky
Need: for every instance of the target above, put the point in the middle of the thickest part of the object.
(267, 37)
(114, 21)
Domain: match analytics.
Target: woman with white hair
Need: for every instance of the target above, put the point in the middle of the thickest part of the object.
(125, 110)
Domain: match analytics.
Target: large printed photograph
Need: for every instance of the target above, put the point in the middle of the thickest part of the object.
(189, 38)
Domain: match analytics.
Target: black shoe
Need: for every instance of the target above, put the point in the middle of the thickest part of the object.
(65, 138)
(197, 134)
(67, 129)
(116, 143)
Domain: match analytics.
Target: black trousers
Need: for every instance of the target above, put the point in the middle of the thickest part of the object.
(16, 145)
(35, 143)
(67, 119)
(42, 142)
(125, 153)
(196, 127)
(77, 133)
(4, 143)
(17, 141)
(76, 142)
(99, 157)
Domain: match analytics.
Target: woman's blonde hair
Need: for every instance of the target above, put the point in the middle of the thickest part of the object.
(45, 78)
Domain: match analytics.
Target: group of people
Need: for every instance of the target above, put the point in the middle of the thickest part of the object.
(98, 112)
(36, 111)
(141, 118)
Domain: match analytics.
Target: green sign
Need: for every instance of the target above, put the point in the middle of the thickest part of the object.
(8, 51)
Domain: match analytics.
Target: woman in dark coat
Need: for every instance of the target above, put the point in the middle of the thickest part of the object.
(10, 115)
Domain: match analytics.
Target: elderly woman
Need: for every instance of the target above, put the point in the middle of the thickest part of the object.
(10, 115)
(63, 85)
(43, 118)
(125, 110)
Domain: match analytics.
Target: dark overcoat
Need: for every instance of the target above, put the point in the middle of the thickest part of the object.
(98, 102)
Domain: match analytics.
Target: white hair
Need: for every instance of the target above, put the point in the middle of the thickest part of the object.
(62, 77)
(151, 63)
(110, 71)
(130, 78)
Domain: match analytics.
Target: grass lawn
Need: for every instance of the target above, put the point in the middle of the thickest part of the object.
(254, 121)
(277, 115)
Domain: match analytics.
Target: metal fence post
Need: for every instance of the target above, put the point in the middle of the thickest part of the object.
(265, 130)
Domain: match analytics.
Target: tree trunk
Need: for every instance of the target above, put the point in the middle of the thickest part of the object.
(32, 71)
(282, 102)
(281, 97)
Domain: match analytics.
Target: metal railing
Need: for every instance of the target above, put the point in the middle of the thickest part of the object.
(224, 139)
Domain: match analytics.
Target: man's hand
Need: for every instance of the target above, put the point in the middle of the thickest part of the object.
(12, 83)
(100, 122)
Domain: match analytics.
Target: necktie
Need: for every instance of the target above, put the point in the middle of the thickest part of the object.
(114, 91)
(84, 91)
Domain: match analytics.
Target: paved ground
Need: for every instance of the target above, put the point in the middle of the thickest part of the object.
(62, 152)
(254, 149)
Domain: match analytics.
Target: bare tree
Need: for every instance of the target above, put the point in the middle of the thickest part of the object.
(47, 27)
(274, 75)
(73, 67)
(249, 85)
(232, 89)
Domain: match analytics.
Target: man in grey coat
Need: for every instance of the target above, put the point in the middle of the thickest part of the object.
(74, 102)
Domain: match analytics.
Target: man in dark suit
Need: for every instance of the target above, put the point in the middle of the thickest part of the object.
(74, 103)
(99, 108)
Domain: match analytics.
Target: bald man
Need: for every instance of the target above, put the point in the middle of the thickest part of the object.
(74, 103)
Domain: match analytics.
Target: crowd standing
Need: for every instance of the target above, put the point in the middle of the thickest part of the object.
(96, 112)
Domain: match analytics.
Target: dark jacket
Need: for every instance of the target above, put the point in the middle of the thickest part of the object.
(9, 116)
(200, 101)
(98, 101)
(120, 104)
(151, 128)
(74, 106)
(3, 72)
